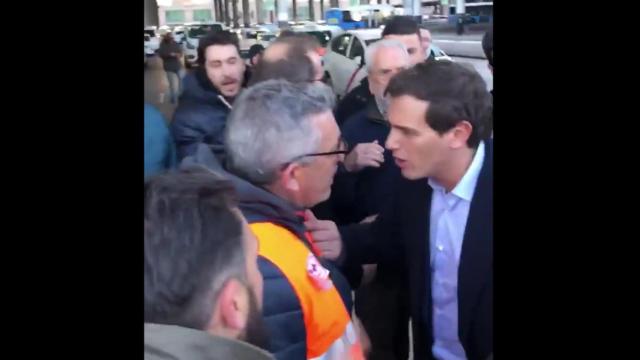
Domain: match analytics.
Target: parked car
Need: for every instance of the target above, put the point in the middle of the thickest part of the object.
(192, 34)
(344, 61)
(178, 34)
(324, 33)
(151, 40)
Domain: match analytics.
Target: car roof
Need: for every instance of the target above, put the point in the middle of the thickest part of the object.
(367, 34)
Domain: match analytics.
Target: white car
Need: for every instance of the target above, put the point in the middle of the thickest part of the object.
(192, 34)
(151, 40)
(178, 34)
(323, 33)
(344, 60)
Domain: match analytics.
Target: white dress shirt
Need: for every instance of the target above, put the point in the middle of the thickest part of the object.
(449, 213)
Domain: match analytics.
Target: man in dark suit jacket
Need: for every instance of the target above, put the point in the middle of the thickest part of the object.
(440, 224)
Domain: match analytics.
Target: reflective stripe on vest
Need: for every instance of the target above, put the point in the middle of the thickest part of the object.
(330, 333)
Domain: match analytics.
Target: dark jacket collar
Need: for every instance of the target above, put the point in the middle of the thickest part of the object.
(476, 259)
(373, 113)
(257, 204)
(168, 342)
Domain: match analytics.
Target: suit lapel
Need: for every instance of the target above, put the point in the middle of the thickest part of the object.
(476, 259)
(417, 219)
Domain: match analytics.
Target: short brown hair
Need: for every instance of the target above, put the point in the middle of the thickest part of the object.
(454, 93)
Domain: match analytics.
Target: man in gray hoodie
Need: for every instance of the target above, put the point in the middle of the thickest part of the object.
(202, 286)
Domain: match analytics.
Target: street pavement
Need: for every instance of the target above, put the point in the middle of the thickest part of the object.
(468, 45)
(481, 66)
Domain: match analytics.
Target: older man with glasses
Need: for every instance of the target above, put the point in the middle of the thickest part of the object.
(283, 149)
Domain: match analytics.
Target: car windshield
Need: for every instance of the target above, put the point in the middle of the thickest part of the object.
(202, 30)
(151, 33)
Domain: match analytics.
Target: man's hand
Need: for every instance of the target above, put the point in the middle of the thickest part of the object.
(325, 236)
(363, 155)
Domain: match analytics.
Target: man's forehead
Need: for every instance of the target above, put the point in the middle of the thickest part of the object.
(404, 38)
(389, 57)
(221, 52)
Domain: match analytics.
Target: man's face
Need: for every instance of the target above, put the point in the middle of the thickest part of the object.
(418, 150)
(225, 69)
(425, 37)
(385, 64)
(255, 331)
(255, 59)
(251, 251)
(413, 45)
(316, 60)
(315, 178)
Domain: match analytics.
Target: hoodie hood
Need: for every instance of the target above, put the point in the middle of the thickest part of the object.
(257, 204)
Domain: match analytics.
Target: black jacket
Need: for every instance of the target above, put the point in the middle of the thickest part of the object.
(353, 102)
(355, 196)
(200, 117)
(400, 235)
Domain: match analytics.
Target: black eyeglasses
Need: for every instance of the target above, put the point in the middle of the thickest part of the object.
(342, 149)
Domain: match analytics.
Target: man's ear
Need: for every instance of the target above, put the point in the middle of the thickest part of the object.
(232, 310)
(459, 135)
(290, 176)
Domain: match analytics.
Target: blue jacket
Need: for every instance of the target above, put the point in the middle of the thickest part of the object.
(159, 149)
(281, 308)
(200, 117)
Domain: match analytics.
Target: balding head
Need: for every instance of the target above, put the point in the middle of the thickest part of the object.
(385, 58)
(277, 51)
(291, 48)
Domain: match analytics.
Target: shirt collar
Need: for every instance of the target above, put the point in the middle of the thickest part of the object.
(467, 185)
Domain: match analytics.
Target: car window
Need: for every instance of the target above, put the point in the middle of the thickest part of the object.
(356, 49)
(340, 44)
(202, 30)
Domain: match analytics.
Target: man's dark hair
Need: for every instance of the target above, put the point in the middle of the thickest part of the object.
(487, 46)
(401, 25)
(193, 244)
(255, 49)
(216, 38)
(454, 94)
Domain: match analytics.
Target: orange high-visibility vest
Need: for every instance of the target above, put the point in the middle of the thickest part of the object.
(330, 332)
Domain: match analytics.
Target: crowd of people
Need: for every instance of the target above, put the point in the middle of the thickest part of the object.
(281, 223)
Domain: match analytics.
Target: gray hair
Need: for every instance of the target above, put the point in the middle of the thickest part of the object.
(270, 126)
(371, 50)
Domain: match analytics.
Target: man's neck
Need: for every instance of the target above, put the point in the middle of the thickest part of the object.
(454, 168)
(281, 193)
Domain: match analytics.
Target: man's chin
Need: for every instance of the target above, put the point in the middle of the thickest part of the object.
(230, 93)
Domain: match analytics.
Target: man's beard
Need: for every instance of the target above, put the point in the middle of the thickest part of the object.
(256, 332)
